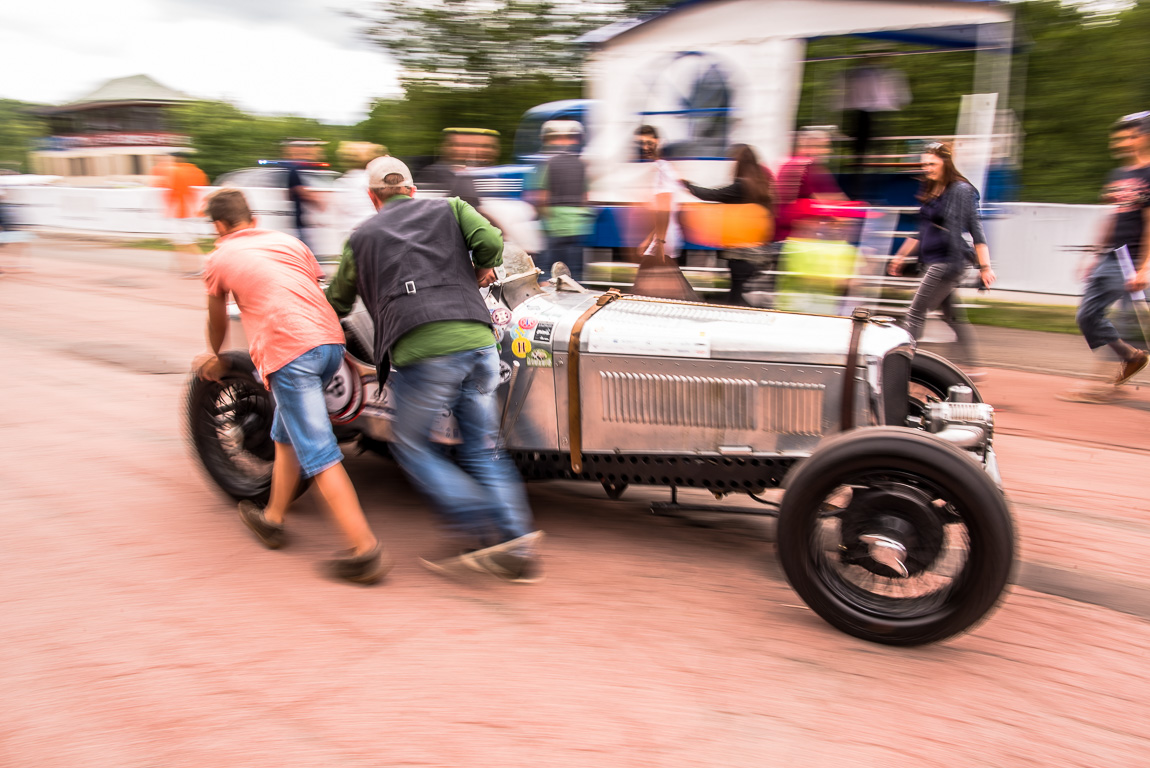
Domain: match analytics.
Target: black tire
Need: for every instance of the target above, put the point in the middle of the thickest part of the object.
(241, 469)
(957, 493)
(931, 376)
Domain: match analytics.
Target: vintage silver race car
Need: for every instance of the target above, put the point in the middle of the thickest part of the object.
(892, 526)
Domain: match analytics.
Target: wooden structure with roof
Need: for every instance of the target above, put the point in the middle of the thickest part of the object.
(113, 133)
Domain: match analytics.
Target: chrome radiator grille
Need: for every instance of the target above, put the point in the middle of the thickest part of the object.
(779, 407)
(685, 401)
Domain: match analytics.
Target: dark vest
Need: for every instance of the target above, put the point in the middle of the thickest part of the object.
(566, 180)
(413, 267)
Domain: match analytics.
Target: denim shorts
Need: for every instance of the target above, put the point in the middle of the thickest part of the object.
(301, 418)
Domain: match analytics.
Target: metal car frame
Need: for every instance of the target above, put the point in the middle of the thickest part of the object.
(892, 526)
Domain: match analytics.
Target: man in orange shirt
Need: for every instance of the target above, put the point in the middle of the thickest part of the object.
(296, 343)
(178, 178)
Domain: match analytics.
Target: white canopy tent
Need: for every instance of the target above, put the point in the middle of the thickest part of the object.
(731, 71)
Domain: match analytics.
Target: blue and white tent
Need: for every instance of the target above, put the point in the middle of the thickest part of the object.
(709, 73)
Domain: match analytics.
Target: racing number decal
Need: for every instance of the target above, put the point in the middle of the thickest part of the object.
(520, 347)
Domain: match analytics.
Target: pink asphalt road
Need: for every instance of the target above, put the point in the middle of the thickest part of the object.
(141, 625)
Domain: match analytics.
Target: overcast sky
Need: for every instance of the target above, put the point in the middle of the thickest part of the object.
(270, 56)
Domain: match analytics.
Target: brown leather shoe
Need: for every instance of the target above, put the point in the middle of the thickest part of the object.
(367, 568)
(271, 534)
(1131, 367)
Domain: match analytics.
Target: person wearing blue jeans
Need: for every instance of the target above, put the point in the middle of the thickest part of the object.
(479, 494)
(418, 266)
(1128, 190)
(296, 343)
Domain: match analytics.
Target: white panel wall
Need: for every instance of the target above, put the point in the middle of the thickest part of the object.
(1034, 246)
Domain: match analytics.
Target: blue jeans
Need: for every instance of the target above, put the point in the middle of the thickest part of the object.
(301, 419)
(480, 495)
(1105, 287)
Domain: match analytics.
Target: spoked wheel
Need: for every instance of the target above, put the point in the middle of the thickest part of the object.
(230, 426)
(895, 536)
(931, 376)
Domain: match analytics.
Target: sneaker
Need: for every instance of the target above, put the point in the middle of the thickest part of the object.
(514, 567)
(271, 534)
(367, 568)
(1097, 395)
(448, 566)
(514, 561)
(1131, 367)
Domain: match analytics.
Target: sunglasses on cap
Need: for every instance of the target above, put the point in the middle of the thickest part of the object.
(937, 148)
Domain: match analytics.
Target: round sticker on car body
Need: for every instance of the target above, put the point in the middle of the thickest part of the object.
(520, 347)
(501, 315)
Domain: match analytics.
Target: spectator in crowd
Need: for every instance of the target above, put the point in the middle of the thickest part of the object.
(949, 211)
(418, 266)
(462, 148)
(559, 193)
(753, 184)
(296, 343)
(1128, 190)
(179, 180)
(300, 154)
(12, 238)
(666, 236)
(803, 180)
(352, 202)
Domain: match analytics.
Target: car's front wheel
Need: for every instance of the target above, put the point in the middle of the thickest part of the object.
(895, 536)
(931, 377)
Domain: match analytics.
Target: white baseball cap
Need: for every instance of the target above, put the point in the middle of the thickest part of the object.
(382, 167)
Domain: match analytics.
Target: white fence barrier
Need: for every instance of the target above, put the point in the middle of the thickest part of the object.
(138, 213)
(1035, 247)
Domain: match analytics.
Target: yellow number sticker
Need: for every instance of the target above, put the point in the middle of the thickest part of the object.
(520, 347)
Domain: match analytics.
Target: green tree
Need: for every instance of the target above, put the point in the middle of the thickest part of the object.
(412, 125)
(479, 64)
(20, 129)
(467, 44)
(226, 138)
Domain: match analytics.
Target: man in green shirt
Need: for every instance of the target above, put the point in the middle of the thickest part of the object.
(417, 264)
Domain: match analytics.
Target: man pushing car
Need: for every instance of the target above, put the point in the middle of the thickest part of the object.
(416, 264)
(296, 343)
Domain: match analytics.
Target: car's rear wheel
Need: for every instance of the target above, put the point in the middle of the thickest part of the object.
(895, 536)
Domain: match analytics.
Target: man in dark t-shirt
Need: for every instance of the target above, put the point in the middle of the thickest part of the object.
(299, 154)
(1128, 190)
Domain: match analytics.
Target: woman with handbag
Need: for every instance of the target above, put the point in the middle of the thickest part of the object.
(753, 184)
(949, 210)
